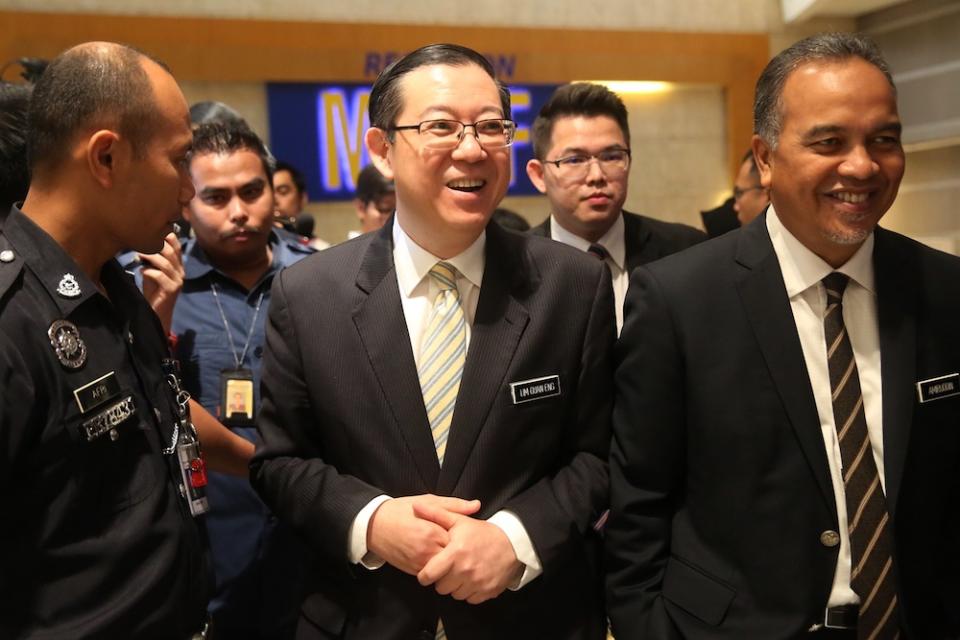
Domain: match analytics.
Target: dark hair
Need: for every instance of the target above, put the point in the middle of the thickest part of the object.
(372, 185)
(830, 47)
(229, 136)
(14, 172)
(577, 99)
(510, 220)
(90, 85)
(213, 111)
(295, 174)
(385, 99)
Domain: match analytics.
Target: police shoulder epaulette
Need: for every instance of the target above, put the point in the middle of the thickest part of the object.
(10, 266)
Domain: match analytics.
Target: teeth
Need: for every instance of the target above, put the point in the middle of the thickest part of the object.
(853, 198)
(465, 184)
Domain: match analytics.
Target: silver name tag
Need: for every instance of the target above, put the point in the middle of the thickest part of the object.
(106, 420)
(937, 388)
(535, 389)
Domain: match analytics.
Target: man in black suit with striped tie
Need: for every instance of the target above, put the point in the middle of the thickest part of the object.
(437, 394)
(787, 422)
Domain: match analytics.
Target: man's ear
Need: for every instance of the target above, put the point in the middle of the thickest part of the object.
(304, 199)
(763, 155)
(103, 155)
(535, 173)
(379, 147)
(361, 209)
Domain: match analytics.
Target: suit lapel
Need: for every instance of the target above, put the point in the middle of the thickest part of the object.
(763, 293)
(639, 250)
(896, 301)
(498, 324)
(383, 331)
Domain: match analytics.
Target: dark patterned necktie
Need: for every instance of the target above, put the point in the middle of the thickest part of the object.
(598, 251)
(871, 537)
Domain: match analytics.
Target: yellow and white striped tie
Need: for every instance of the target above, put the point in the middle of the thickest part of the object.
(442, 354)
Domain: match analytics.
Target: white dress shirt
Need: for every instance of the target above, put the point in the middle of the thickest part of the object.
(615, 244)
(802, 272)
(417, 293)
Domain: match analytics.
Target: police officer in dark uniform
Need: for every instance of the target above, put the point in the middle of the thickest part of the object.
(100, 475)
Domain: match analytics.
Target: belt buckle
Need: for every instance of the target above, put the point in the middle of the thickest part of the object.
(839, 618)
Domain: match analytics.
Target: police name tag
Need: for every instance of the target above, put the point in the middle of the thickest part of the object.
(93, 394)
(535, 389)
(106, 420)
(939, 388)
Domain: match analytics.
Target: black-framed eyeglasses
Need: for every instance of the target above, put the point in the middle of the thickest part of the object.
(611, 162)
(738, 193)
(447, 134)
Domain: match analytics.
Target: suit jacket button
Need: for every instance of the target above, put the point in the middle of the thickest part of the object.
(829, 538)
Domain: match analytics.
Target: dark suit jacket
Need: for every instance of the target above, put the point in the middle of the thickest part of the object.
(343, 421)
(647, 239)
(720, 485)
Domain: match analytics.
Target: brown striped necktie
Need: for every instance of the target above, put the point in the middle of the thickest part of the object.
(869, 526)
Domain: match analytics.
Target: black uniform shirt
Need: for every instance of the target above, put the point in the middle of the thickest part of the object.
(94, 538)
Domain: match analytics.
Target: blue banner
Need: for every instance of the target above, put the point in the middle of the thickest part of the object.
(319, 129)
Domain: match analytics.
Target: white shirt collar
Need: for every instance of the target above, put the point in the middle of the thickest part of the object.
(613, 240)
(413, 262)
(803, 268)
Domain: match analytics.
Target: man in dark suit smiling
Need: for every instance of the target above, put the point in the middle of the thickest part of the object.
(437, 395)
(786, 428)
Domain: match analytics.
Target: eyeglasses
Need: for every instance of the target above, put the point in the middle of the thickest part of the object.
(738, 193)
(611, 162)
(447, 134)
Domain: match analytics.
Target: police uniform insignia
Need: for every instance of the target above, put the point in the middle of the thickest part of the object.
(67, 344)
(68, 286)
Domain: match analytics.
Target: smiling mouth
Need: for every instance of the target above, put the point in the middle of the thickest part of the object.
(850, 198)
(468, 186)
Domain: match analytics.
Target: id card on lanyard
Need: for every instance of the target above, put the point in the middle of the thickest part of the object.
(237, 404)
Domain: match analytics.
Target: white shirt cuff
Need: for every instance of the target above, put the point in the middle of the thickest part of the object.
(510, 524)
(358, 552)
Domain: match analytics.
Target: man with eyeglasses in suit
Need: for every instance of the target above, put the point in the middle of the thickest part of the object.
(581, 146)
(446, 473)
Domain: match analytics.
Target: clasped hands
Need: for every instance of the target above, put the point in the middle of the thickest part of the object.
(436, 539)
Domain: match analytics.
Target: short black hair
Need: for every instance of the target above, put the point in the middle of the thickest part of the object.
(90, 85)
(822, 47)
(14, 171)
(385, 99)
(510, 220)
(299, 181)
(577, 99)
(229, 136)
(212, 111)
(372, 185)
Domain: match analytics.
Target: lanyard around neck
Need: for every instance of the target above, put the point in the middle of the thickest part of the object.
(253, 323)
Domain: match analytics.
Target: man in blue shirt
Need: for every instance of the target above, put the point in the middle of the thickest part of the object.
(218, 324)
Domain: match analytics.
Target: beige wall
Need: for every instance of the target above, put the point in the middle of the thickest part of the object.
(661, 15)
(919, 40)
